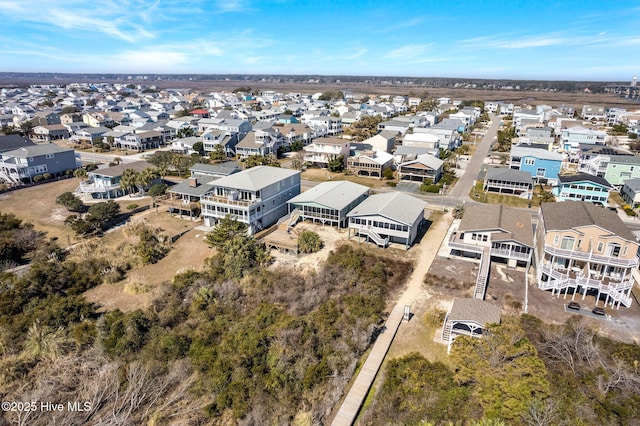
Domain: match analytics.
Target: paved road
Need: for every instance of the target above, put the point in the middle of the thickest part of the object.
(461, 189)
(91, 157)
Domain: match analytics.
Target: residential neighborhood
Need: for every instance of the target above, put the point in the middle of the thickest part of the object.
(504, 208)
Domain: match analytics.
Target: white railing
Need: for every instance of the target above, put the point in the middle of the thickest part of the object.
(373, 235)
(591, 257)
(510, 254)
(84, 187)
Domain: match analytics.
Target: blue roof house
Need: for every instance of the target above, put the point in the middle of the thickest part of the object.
(543, 165)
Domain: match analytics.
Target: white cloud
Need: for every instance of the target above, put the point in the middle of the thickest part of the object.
(355, 55)
(511, 41)
(407, 51)
(116, 19)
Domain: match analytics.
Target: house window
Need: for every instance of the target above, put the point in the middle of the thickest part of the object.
(613, 249)
(579, 245)
(600, 246)
(530, 161)
(541, 172)
(624, 250)
(556, 240)
(567, 243)
(49, 156)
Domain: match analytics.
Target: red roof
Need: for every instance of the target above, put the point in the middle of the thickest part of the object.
(199, 111)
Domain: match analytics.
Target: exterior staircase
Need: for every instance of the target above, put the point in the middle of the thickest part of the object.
(446, 330)
(483, 274)
(5, 177)
(373, 236)
(293, 218)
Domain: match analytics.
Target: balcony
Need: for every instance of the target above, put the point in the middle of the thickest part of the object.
(90, 187)
(228, 201)
(591, 257)
(574, 277)
(456, 243)
(324, 149)
(318, 158)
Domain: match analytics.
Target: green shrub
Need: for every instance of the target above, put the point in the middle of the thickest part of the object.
(132, 206)
(309, 242)
(392, 184)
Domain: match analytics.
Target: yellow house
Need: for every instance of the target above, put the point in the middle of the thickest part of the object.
(585, 249)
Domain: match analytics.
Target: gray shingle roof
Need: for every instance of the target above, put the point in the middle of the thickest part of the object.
(397, 206)
(11, 142)
(474, 310)
(118, 170)
(335, 195)
(226, 168)
(624, 159)
(633, 184)
(515, 223)
(203, 185)
(509, 175)
(574, 214)
(584, 177)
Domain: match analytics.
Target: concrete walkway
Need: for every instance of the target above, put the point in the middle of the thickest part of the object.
(426, 252)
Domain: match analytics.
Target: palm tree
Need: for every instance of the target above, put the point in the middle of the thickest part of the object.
(80, 173)
(42, 342)
(129, 180)
(458, 212)
(145, 178)
(546, 196)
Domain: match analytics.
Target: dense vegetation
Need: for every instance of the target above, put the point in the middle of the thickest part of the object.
(16, 240)
(232, 343)
(522, 372)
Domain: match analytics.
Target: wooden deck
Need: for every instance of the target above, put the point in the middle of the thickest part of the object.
(282, 239)
(358, 392)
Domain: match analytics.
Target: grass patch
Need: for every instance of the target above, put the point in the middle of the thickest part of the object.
(135, 286)
(478, 194)
(615, 198)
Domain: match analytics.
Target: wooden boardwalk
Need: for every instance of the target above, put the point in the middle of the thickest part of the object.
(358, 392)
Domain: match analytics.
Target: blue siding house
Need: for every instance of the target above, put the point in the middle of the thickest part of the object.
(543, 165)
(582, 187)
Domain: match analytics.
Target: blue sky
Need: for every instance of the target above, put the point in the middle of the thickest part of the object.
(573, 40)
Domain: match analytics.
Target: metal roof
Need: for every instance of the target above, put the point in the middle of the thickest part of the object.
(256, 178)
(397, 206)
(335, 195)
(36, 150)
(522, 151)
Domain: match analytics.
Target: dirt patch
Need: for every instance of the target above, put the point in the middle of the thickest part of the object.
(188, 252)
(330, 236)
(37, 205)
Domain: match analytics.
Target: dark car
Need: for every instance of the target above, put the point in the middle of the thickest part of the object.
(599, 311)
(574, 306)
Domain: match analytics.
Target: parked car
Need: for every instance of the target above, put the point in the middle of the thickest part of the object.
(574, 306)
(599, 311)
